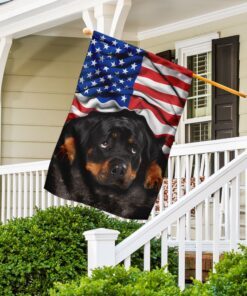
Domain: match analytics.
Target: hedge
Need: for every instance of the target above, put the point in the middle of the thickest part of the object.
(116, 281)
(230, 277)
(50, 247)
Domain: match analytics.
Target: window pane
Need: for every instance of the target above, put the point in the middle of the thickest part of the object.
(199, 101)
(197, 132)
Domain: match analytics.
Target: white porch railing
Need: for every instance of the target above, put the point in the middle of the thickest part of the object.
(22, 188)
(101, 252)
(188, 166)
(22, 184)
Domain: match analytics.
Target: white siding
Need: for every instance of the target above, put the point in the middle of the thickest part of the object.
(40, 78)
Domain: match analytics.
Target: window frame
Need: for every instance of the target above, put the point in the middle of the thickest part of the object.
(185, 48)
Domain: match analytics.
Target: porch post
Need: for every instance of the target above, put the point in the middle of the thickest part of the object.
(5, 45)
(101, 247)
(108, 17)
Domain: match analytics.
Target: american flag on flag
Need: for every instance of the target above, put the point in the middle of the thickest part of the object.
(117, 76)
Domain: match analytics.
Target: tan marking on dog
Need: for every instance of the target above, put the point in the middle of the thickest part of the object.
(153, 178)
(130, 174)
(114, 135)
(97, 168)
(69, 148)
(131, 140)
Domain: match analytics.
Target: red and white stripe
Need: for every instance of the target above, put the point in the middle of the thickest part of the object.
(159, 102)
(160, 92)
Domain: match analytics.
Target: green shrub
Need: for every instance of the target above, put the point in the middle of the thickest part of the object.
(116, 281)
(49, 247)
(229, 279)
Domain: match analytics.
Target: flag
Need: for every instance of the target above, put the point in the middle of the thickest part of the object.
(117, 76)
(113, 148)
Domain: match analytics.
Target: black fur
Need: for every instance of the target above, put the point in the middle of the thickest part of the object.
(71, 180)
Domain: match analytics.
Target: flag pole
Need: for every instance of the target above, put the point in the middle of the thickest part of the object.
(88, 32)
(216, 84)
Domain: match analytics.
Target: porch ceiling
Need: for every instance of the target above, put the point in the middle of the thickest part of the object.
(146, 18)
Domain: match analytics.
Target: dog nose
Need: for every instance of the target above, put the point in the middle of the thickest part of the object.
(118, 169)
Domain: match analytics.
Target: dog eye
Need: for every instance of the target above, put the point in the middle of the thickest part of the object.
(133, 150)
(104, 145)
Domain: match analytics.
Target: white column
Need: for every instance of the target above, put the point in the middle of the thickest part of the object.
(108, 17)
(104, 14)
(5, 45)
(122, 10)
(101, 247)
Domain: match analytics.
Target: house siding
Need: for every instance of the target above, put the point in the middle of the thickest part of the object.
(39, 81)
(228, 27)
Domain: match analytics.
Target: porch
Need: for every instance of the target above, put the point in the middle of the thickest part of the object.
(211, 218)
(189, 165)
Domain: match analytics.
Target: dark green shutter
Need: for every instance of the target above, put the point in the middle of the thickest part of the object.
(225, 70)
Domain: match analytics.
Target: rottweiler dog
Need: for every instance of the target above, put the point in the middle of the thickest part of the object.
(110, 161)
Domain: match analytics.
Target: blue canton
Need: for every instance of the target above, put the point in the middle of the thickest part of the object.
(110, 69)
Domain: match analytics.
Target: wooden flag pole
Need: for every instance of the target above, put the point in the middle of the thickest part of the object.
(88, 32)
(216, 84)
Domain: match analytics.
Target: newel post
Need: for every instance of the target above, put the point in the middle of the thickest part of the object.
(101, 247)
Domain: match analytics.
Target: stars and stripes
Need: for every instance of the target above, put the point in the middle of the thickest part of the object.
(117, 76)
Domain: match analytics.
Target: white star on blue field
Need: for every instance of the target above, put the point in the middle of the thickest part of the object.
(110, 69)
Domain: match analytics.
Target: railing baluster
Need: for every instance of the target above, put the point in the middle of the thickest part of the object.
(198, 225)
(25, 196)
(43, 198)
(164, 248)
(178, 176)
(191, 158)
(216, 228)
(62, 201)
(9, 204)
(196, 172)
(55, 201)
(69, 202)
(181, 252)
(237, 201)
(31, 194)
(37, 204)
(127, 262)
(169, 184)
(188, 180)
(49, 199)
(3, 204)
(202, 165)
(207, 206)
(225, 202)
(178, 182)
(161, 198)
(19, 195)
(233, 220)
(14, 196)
(147, 256)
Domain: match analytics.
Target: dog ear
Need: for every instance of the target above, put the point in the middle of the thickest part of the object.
(68, 148)
(75, 134)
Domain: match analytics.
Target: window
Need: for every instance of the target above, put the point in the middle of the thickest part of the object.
(195, 54)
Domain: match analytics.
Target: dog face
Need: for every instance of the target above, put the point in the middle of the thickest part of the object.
(114, 152)
(112, 149)
(111, 161)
